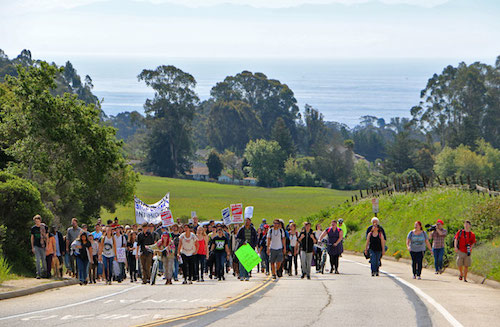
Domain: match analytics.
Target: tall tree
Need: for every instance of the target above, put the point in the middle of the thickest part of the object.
(266, 159)
(214, 164)
(315, 131)
(269, 98)
(232, 164)
(170, 116)
(281, 134)
(400, 153)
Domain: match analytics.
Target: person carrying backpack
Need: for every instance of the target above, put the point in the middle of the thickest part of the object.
(335, 247)
(276, 249)
(464, 242)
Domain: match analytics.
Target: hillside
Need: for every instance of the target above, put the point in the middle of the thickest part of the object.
(399, 212)
(208, 199)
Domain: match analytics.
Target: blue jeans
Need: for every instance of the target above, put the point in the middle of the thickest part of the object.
(438, 258)
(82, 266)
(176, 267)
(375, 260)
(220, 260)
(243, 272)
(108, 267)
(265, 260)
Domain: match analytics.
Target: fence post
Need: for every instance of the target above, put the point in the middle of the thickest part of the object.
(469, 181)
(453, 179)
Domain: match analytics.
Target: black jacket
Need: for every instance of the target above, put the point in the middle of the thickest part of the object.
(253, 236)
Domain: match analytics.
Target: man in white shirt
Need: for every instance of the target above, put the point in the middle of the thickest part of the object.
(276, 246)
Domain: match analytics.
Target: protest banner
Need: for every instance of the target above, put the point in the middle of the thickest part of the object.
(120, 254)
(226, 216)
(166, 218)
(150, 213)
(248, 212)
(237, 213)
(248, 257)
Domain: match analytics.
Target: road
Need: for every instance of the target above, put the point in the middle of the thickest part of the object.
(353, 298)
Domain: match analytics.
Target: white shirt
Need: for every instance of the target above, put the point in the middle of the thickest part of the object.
(276, 236)
(188, 244)
(293, 239)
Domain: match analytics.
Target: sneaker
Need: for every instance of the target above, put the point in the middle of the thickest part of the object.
(37, 277)
(465, 280)
(414, 277)
(219, 279)
(437, 272)
(190, 282)
(337, 272)
(184, 282)
(303, 275)
(274, 276)
(247, 279)
(376, 274)
(308, 277)
(460, 277)
(223, 278)
(419, 277)
(202, 280)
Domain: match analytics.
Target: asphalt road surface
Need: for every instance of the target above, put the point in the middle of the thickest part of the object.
(353, 298)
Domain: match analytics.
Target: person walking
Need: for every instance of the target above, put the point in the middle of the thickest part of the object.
(294, 249)
(175, 237)
(38, 241)
(95, 259)
(464, 241)
(307, 239)
(375, 246)
(246, 235)
(188, 247)
(262, 245)
(202, 254)
(72, 233)
(121, 250)
(50, 252)
(144, 239)
(107, 253)
(437, 237)
(131, 256)
(317, 249)
(221, 251)
(60, 252)
(82, 248)
(276, 246)
(167, 247)
(335, 247)
(416, 242)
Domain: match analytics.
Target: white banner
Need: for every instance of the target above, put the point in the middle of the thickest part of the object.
(226, 216)
(150, 213)
(248, 212)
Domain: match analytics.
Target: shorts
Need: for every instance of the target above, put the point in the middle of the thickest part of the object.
(276, 256)
(463, 260)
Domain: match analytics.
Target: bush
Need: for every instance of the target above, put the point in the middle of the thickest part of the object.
(19, 202)
(4, 270)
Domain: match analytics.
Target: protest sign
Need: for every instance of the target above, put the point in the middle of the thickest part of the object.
(248, 257)
(226, 216)
(193, 214)
(237, 213)
(248, 212)
(150, 213)
(120, 254)
(166, 218)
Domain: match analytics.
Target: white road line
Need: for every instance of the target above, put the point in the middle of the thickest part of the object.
(70, 305)
(448, 316)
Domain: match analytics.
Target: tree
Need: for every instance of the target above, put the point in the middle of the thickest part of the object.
(232, 124)
(399, 153)
(170, 115)
(335, 166)
(214, 164)
(461, 105)
(232, 163)
(269, 98)
(266, 159)
(296, 175)
(315, 131)
(281, 134)
(59, 144)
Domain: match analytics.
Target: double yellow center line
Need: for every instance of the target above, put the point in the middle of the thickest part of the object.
(207, 310)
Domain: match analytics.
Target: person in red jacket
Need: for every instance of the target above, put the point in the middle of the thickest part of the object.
(464, 241)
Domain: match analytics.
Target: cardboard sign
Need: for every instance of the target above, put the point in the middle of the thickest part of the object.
(237, 213)
(193, 214)
(248, 212)
(375, 205)
(226, 216)
(120, 254)
(166, 218)
(248, 257)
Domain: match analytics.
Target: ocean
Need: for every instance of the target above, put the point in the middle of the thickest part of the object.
(342, 90)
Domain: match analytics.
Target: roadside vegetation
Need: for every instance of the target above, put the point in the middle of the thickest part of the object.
(399, 211)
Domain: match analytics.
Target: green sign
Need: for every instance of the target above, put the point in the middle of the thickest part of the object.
(248, 257)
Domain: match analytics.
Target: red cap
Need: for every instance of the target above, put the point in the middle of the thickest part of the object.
(266, 226)
(439, 221)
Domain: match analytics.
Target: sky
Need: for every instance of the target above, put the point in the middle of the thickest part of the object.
(252, 28)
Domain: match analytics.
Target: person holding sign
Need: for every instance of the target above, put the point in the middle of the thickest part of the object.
(247, 235)
(276, 246)
(221, 250)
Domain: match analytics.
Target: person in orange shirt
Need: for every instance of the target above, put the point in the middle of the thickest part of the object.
(50, 252)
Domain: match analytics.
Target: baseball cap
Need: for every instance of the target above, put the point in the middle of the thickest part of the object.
(266, 226)
(341, 220)
(290, 221)
(439, 221)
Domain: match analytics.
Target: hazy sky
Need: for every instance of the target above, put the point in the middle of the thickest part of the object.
(253, 28)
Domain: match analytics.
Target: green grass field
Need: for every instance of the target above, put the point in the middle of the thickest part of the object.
(208, 199)
(399, 212)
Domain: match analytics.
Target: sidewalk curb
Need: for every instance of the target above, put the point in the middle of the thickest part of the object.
(451, 271)
(36, 289)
